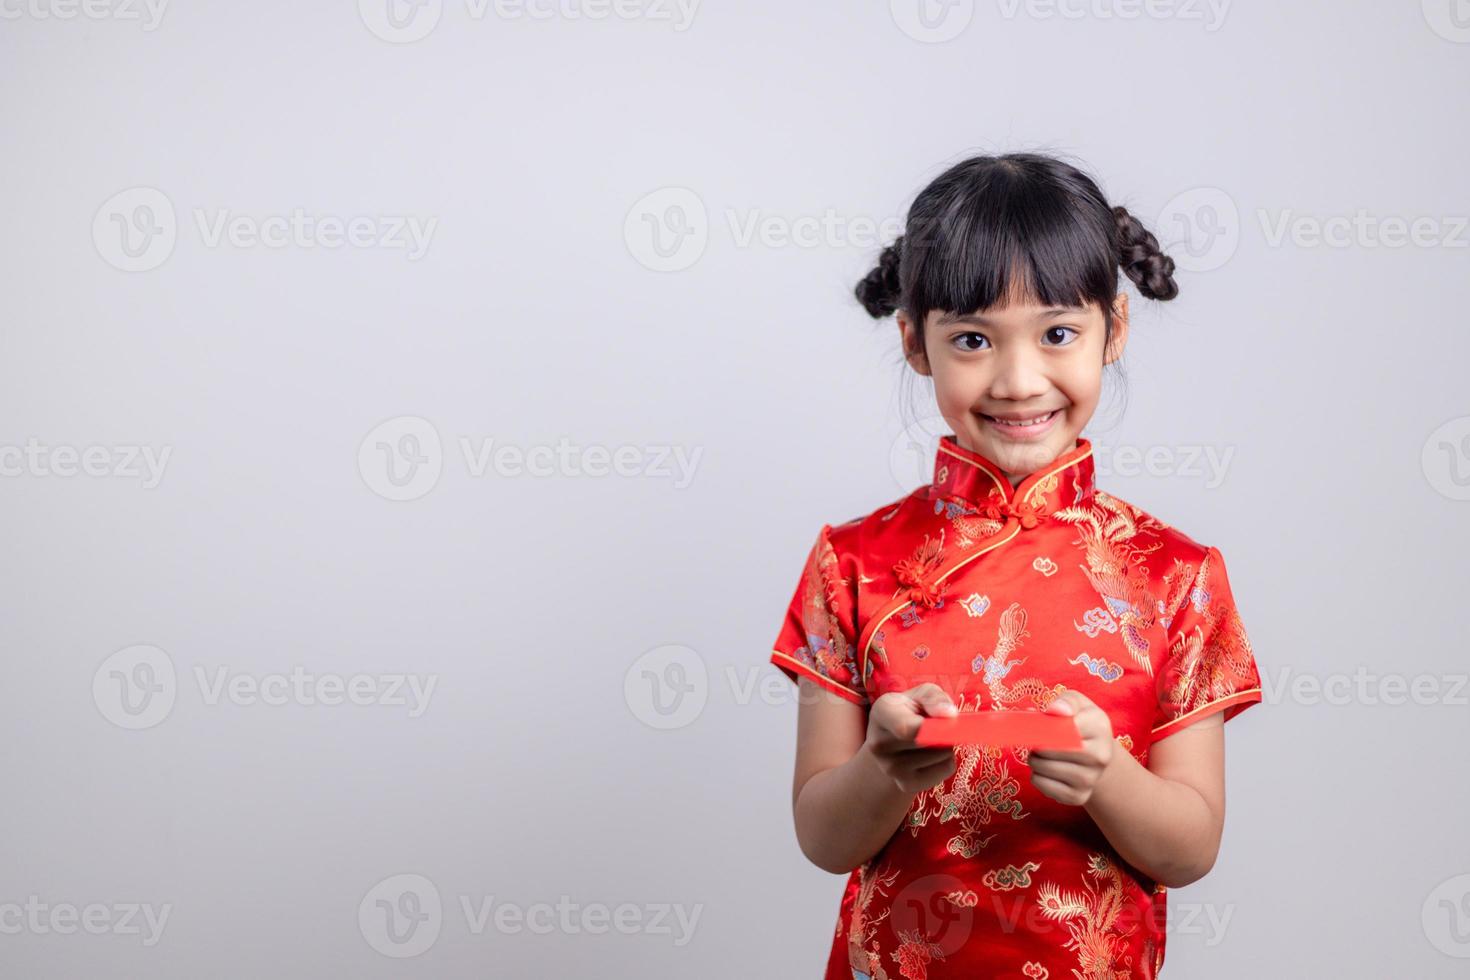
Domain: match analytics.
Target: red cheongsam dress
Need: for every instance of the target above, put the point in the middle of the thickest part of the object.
(1005, 597)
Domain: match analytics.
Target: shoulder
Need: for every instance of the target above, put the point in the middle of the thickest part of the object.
(1172, 562)
(884, 529)
(1117, 518)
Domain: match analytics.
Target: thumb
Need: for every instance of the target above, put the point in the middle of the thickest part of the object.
(932, 700)
(1061, 706)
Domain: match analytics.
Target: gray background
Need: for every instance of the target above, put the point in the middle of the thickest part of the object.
(1334, 375)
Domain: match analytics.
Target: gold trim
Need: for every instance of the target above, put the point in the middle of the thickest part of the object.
(998, 485)
(1066, 465)
(874, 626)
(1007, 492)
(838, 688)
(1216, 705)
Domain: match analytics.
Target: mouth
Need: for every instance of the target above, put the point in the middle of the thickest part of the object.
(1022, 427)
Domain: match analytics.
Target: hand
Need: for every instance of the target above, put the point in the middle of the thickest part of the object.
(893, 721)
(1071, 776)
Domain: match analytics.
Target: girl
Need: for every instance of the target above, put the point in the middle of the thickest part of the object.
(1011, 582)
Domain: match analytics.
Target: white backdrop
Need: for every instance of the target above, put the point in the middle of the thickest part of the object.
(384, 387)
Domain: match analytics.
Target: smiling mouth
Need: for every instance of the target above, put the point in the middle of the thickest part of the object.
(1025, 423)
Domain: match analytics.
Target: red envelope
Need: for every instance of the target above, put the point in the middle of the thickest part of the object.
(1025, 729)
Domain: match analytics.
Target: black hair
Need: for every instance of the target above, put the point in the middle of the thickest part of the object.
(993, 228)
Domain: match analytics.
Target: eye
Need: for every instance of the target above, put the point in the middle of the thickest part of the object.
(965, 340)
(1054, 341)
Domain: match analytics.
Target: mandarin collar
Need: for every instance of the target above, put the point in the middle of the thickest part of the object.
(1066, 481)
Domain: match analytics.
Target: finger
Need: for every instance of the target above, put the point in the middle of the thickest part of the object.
(933, 701)
(1069, 773)
(1058, 755)
(1058, 791)
(919, 758)
(1079, 700)
(934, 768)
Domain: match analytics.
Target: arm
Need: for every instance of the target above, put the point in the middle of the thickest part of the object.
(1166, 819)
(857, 771)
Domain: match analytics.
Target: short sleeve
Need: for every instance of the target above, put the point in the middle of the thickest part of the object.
(818, 637)
(1209, 665)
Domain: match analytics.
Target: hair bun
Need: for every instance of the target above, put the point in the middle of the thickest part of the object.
(880, 289)
(1138, 253)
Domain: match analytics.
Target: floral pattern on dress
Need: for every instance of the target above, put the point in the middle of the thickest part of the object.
(1005, 595)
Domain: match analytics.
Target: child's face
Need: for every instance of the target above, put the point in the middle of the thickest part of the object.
(1022, 361)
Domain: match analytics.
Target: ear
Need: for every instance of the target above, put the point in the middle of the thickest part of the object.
(909, 336)
(1120, 329)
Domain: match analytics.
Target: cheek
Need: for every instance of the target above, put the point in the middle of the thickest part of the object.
(957, 391)
(1081, 383)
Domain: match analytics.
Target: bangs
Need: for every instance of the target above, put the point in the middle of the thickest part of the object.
(1005, 240)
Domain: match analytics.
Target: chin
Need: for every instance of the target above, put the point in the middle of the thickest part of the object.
(1020, 458)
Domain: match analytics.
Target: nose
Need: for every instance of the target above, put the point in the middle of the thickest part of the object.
(1019, 375)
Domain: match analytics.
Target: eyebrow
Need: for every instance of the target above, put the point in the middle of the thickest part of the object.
(948, 319)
